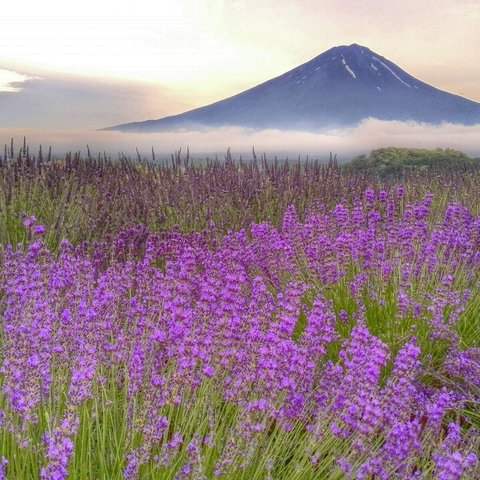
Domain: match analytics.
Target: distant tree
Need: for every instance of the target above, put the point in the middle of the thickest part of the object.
(394, 162)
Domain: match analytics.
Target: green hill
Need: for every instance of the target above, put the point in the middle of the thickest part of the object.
(393, 162)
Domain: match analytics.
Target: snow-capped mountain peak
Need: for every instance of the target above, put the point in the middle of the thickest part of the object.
(341, 87)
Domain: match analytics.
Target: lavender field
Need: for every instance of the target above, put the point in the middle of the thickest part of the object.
(237, 320)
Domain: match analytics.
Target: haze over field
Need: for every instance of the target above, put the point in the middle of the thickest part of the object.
(65, 73)
(369, 135)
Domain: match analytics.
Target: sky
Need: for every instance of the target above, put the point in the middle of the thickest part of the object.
(80, 66)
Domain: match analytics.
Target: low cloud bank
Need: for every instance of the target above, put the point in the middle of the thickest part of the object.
(371, 134)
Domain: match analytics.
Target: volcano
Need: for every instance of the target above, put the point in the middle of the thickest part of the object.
(338, 89)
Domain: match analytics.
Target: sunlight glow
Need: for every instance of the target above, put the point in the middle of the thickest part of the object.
(207, 49)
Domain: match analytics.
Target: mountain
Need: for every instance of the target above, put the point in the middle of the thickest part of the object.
(339, 88)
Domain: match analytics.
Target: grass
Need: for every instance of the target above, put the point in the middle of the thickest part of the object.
(97, 204)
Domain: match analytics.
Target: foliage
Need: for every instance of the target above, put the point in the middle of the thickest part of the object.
(333, 334)
(390, 163)
(87, 199)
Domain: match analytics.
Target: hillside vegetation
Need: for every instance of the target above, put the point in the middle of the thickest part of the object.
(394, 162)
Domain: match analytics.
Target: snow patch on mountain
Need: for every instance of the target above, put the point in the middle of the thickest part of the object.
(391, 71)
(347, 68)
(350, 71)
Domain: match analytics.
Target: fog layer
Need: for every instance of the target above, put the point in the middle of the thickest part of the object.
(371, 134)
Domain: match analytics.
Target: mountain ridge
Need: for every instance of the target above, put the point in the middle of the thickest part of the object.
(338, 88)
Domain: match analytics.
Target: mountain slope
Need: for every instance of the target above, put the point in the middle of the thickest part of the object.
(339, 88)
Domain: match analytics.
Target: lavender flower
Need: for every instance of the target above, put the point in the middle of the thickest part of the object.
(30, 221)
(39, 230)
(3, 468)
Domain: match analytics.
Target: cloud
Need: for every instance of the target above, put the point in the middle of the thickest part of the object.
(11, 81)
(347, 143)
(57, 101)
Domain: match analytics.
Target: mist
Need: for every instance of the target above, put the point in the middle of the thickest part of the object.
(346, 144)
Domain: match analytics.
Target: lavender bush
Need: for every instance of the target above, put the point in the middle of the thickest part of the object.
(338, 341)
(90, 199)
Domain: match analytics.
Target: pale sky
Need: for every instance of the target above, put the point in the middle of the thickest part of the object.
(93, 63)
(209, 49)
